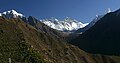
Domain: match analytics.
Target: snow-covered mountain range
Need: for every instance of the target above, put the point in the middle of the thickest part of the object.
(67, 24)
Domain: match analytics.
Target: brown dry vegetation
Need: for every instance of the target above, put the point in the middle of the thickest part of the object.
(24, 43)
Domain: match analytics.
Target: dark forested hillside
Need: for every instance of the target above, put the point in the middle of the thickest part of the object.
(103, 37)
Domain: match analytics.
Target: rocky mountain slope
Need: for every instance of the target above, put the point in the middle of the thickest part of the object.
(24, 43)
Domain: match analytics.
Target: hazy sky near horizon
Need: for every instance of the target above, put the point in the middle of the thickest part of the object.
(81, 10)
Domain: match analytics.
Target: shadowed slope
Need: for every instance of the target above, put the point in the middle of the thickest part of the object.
(103, 37)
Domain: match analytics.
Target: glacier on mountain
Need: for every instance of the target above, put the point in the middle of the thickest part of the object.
(68, 24)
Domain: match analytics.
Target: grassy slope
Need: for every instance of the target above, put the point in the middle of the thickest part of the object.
(14, 46)
(23, 43)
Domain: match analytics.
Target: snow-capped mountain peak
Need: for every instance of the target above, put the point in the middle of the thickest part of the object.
(12, 14)
(68, 24)
(16, 13)
(54, 19)
(108, 10)
(0, 14)
(69, 19)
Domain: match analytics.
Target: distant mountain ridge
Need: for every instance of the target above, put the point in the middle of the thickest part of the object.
(92, 23)
(103, 37)
(68, 24)
(80, 31)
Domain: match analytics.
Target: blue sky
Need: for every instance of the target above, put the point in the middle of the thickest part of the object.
(81, 10)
